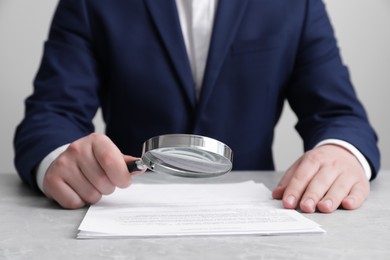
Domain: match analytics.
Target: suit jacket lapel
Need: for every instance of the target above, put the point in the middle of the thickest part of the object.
(227, 19)
(164, 15)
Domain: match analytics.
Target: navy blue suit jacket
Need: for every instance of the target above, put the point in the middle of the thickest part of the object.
(129, 58)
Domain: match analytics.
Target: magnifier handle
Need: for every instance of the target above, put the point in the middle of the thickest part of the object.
(135, 166)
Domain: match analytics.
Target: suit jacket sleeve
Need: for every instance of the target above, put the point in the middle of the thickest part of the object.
(60, 116)
(321, 93)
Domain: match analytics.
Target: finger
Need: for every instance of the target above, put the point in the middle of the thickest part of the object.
(300, 179)
(66, 169)
(95, 174)
(71, 201)
(83, 187)
(350, 195)
(337, 193)
(279, 190)
(357, 196)
(111, 161)
(317, 188)
(81, 156)
(97, 177)
(57, 189)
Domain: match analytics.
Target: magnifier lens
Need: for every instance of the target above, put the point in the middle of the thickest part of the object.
(189, 162)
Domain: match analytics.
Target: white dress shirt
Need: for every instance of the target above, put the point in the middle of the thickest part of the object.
(196, 20)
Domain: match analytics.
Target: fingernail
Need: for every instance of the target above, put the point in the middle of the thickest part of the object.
(328, 203)
(310, 203)
(291, 200)
(351, 201)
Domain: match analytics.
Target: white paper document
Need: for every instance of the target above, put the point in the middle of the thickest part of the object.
(158, 210)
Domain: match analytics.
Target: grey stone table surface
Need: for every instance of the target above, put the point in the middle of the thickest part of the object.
(32, 227)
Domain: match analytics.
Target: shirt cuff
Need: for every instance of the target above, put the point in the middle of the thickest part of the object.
(363, 161)
(45, 163)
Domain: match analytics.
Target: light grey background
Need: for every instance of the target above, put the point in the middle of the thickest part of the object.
(362, 28)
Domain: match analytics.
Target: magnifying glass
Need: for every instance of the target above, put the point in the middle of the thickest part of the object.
(184, 155)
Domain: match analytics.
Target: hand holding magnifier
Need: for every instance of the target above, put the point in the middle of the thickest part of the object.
(184, 155)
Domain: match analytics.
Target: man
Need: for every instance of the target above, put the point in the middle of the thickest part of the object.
(219, 69)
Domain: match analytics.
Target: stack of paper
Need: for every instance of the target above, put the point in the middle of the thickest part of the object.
(154, 210)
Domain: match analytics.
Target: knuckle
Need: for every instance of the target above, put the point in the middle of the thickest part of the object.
(60, 162)
(98, 137)
(312, 157)
(75, 148)
(51, 179)
(342, 186)
(107, 159)
(300, 180)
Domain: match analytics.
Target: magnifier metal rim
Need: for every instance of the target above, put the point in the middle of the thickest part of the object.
(188, 141)
(209, 145)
